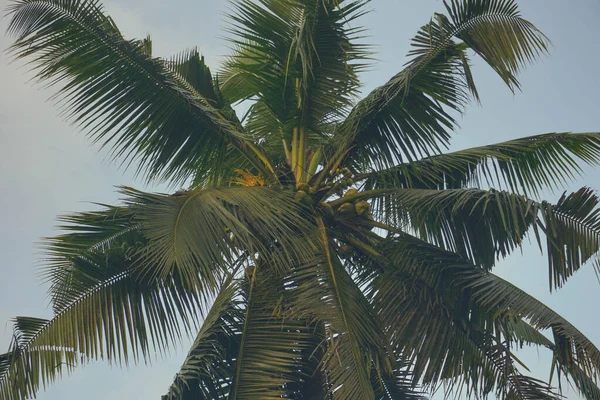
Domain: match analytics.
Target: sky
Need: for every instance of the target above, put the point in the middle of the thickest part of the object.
(48, 168)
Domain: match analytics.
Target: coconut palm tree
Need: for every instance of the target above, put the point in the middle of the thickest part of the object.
(325, 247)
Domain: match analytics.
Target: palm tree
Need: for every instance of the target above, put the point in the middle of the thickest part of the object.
(325, 248)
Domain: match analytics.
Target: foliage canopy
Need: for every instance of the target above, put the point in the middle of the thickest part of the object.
(325, 247)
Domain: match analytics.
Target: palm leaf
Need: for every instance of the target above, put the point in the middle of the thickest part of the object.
(495, 30)
(457, 344)
(193, 73)
(209, 366)
(524, 165)
(586, 386)
(572, 228)
(112, 314)
(408, 117)
(94, 231)
(496, 297)
(484, 225)
(122, 96)
(446, 348)
(262, 33)
(328, 59)
(298, 59)
(269, 361)
(191, 68)
(356, 346)
(198, 233)
(17, 380)
(399, 386)
(521, 332)
(477, 224)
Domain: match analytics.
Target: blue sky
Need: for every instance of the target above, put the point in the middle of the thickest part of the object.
(48, 168)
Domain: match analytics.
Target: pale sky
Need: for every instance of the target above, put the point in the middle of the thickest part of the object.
(48, 168)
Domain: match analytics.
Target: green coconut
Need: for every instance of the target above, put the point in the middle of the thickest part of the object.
(327, 209)
(346, 208)
(362, 207)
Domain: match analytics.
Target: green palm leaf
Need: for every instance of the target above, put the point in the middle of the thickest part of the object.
(95, 231)
(207, 369)
(408, 117)
(484, 225)
(495, 30)
(298, 58)
(496, 297)
(355, 342)
(524, 165)
(297, 61)
(112, 314)
(124, 97)
(198, 233)
(481, 225)
(269, 361)
(459, 343)
(462, 345)
(572, 228)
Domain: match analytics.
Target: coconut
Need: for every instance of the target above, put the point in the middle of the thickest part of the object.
(362, 207)
(346, 208)
(327, 209)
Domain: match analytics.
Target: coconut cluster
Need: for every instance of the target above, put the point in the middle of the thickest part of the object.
(340, 183)
(353, 206)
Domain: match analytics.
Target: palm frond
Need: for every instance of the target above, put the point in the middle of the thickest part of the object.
(18, 368)
(521, 332)
(356, 346)
(586, 386)
(192, 72)
(524, 165)
(112, 314)
(198, 233)
(208, 369)
(446, 348)
(399, 386)
(114, 89)
(528, 388)
(495, 30)
(270, 359)
(191, 68)
(329, 60)
(262, 33)
(494, 296)
(95, 231)
(409, 116)
(458, 344)
(405, 119)
(298, 59)
(478, 224)
(483, 225)
(572, 229)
